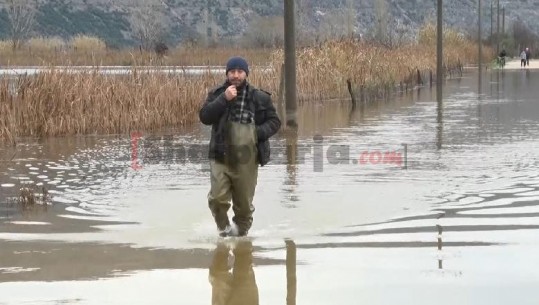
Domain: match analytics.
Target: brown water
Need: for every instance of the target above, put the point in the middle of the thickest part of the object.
(456, 221)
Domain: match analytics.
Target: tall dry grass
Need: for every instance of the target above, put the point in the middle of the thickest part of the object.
(87, 43)
(63, 103)
(44, 45)
(91, 51)
(59, 102)
(373, 69)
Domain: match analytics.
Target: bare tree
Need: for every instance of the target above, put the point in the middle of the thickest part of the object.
(382, 21)
(308, 18)
(148, 22)
(21, 15)
(332, 25)
(387, 32)
(523, 37)
(265, 32)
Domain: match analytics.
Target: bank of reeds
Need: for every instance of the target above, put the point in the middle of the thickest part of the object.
(90, 51)
(129, 57)
(61, 103)
(374, 70)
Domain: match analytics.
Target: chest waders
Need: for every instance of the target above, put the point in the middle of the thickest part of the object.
(235, 179)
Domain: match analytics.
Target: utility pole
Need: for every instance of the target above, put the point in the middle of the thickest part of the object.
(479, 39)
(290, 63)
(439, 78)
(439, 47)
(209, 27)
(480, 46)
(350, 18)
(498, 27)
(503, 21)
(491, 19)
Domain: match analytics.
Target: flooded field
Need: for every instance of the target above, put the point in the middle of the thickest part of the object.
(407, 202)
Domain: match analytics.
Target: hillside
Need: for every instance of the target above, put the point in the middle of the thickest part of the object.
(124, 22)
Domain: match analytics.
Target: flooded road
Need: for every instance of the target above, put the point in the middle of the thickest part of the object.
(408, 201)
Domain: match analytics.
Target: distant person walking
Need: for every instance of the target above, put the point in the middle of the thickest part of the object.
(528, 56)
(502, 57)
(523, 59)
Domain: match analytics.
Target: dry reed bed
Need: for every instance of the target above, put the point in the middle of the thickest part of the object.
(92, 51)
(61, 103)
(34, 56)
(375, 70)
(322, 73)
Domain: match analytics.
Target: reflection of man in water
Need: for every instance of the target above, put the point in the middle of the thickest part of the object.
(239, 286)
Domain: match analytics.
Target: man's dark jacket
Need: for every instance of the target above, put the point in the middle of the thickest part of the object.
(215, 112)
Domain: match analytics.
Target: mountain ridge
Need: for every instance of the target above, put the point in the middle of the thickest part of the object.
(129, 22)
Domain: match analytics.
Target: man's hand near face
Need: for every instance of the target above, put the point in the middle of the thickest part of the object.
(231, 93)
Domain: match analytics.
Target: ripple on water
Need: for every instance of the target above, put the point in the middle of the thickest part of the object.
(486, 195)
(60, 199)
(30, 223)
(470, 200)
(500, 202)
(503, 211)
(532, 193)
(512, 190)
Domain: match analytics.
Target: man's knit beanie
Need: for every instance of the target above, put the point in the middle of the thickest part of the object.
(237, 63)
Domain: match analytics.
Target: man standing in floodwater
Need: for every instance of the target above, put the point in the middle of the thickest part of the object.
(528, 55)
(243, 119)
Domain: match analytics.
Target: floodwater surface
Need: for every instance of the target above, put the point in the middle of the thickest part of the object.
(407, 201)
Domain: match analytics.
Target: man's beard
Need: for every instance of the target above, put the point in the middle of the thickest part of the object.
(238, 83)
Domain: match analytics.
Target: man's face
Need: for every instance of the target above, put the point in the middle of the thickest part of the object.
(236, 76)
